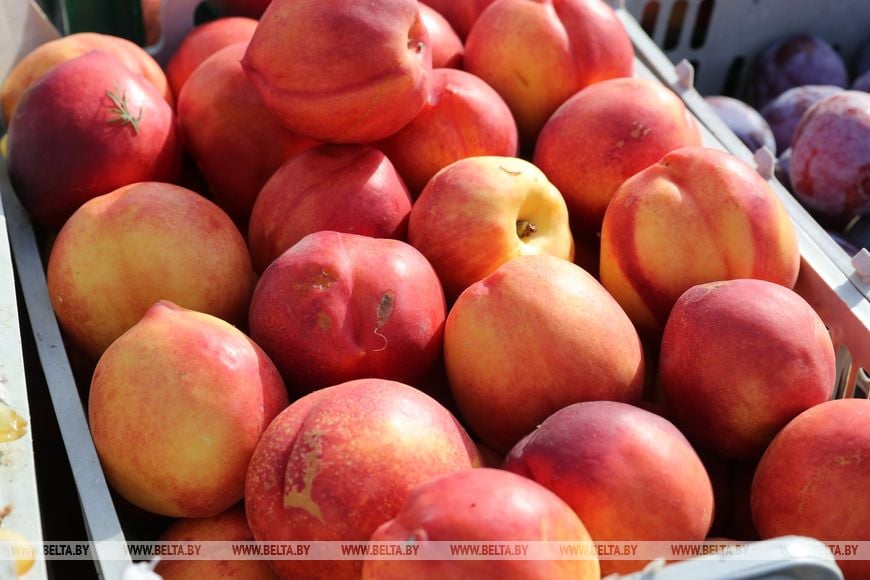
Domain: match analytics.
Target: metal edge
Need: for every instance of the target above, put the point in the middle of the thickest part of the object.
(101, 518)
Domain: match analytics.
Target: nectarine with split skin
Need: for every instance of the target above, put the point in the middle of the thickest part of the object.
(176, 406)
(337, 307)
(698, 215)
(341, 461)
(341, 71)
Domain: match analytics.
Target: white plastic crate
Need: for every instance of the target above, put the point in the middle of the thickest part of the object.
(721, 37)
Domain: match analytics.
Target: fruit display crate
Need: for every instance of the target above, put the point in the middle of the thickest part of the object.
(827, 281)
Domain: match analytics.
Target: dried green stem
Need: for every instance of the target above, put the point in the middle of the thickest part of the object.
(121, 110)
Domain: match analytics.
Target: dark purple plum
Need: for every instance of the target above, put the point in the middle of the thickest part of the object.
(745, 121)
(785, 111)
(794, 61)
(830, 162)
(862, 83)
(858, 233)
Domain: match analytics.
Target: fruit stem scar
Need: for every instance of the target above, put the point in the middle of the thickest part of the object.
(525, 228)
(416, 45)
(121, 110)
(302, 498)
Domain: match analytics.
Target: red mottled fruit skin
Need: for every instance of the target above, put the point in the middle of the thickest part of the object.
(626, 472)
(65, 146)
(341, 71)
(176, 407)
(785, 111)
(535, 336)
(202, 42)
(352, 189)
(447, 47)
(463, 117)
(698, 215)
(538, 54)
(719, 345)
(830, 161)
(123, 251)
(813, 479)
(339, 462)
(229, 526)
(236, 141)
(337, 307)
(605, 134)
(461, 14)
(482, 505)
(46, 56)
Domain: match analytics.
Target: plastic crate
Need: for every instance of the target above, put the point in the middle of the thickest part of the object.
(721, 37)
(840, 302)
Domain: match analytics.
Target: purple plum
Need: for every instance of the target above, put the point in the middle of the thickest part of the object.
(794, 61)
(830, 162)
(745, 121)
(785, 111)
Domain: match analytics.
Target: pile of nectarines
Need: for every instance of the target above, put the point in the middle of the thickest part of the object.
(325, 291)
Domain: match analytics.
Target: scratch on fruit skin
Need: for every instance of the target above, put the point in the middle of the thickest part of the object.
(385, 309)
(320, 281)
(302, 498)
